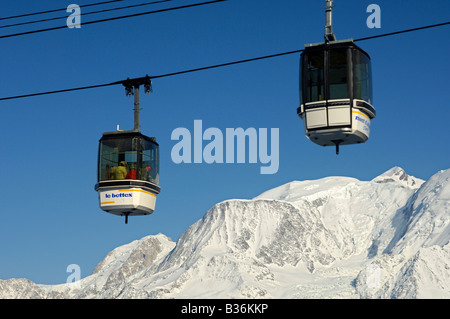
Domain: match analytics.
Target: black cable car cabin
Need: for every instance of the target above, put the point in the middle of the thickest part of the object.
(336, 93)
(128, 173)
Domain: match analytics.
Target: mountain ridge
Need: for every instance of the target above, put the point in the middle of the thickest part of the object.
(335, 237)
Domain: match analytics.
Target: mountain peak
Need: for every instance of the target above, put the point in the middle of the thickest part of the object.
(334, 237)
(297, 190)
(396, 170)
(135, 255)
(398, 174)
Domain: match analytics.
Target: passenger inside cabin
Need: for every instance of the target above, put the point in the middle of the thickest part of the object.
(132, 173)
(146, 175)
(119, 172)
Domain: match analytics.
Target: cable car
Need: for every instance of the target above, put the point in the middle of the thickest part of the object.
(128, 169)
(335, 91)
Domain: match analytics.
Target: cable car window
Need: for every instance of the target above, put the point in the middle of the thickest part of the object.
(125, 157)
(314, 79)
(362, 77)
(109, 158)
(113, 159)
(337, 74)
(150, 163)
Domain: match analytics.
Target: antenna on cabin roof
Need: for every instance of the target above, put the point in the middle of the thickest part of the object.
(329, 35)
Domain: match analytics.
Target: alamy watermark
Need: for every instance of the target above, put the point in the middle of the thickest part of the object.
(74, 19)
(229, 147)
(374, 19)
(75, 274)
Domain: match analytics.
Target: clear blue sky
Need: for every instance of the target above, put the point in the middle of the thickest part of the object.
(50, 214)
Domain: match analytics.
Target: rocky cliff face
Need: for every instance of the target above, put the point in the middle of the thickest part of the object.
(336, 237)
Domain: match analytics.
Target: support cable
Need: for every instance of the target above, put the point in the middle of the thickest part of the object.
(213, 66)
(113, 18)
(56, 10)
(85, 13)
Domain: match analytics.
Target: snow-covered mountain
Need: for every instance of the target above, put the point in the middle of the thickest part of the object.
(335, 237)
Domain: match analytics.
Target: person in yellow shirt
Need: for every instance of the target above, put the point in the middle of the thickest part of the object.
(119, 172)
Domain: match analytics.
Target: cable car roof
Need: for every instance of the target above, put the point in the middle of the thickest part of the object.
(332, 45)
(127, 134)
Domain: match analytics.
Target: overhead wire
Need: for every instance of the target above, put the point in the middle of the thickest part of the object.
(85, 13)
(403, 31)
(114, 18)
(225, 64)
(219, 65)
(56, 10)
(153, 77)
